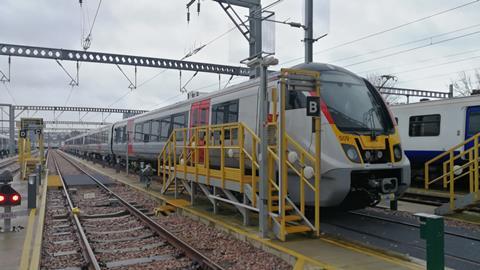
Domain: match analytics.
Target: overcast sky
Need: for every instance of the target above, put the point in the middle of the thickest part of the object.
(159, 29)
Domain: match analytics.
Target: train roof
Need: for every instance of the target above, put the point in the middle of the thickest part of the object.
(320, 67)
(454, 100)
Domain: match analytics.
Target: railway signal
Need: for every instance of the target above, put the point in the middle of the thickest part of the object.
(9, 196)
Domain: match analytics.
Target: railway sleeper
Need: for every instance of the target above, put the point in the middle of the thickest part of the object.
(147, 235)
(130, 249)
(139, 260)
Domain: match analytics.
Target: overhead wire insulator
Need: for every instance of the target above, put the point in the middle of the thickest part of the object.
(198, 7)
(188, 15)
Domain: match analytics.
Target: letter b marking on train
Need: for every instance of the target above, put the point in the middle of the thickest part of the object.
(313, 106)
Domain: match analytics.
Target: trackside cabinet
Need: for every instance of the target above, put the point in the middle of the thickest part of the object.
(432, 230)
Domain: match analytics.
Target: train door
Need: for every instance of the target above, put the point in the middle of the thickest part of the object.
(472, 125)
(199, 116)
(199, 113)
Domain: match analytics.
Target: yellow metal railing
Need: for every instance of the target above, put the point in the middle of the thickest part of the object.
(233, 146)
(458, 162)
(237, 142)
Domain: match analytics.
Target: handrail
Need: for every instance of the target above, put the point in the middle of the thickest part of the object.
(244, 143)
(452, 149)
(466, 159)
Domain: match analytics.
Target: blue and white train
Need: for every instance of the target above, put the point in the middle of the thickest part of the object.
(429, 128)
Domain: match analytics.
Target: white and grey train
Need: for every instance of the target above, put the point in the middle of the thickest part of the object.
(361, 153)
(429, 128)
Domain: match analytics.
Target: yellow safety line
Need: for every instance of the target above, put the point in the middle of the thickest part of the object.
(299, 265)
(28, 240)
(37, 244)
(268, 242)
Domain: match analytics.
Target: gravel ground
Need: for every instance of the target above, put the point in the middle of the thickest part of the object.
(219, 245)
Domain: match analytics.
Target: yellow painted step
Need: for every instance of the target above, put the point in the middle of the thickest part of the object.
(275, 198)
(290, 218)
(276, 207)
(298, 229)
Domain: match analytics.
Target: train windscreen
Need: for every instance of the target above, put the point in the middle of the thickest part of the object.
(354, 104)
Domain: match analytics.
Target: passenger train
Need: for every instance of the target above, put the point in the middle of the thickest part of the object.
(362, 157)
(429, 128)
(5, 146)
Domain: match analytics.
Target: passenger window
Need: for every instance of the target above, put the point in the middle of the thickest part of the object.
(179, 121)
(164, 129)
(473, 123)
(226, 112)
(146, 131)
(138, 133)
(155, 131)
(424, 125)
(203, 117)
(295, 100)
(195, 117)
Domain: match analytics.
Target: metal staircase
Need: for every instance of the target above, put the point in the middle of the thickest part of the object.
(459, 164)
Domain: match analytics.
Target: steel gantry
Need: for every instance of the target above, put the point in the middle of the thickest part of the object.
(15, 111)
(407, 92)
(118, 59)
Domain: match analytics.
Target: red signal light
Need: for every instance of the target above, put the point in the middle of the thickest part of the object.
(2, 198)
(15, 198)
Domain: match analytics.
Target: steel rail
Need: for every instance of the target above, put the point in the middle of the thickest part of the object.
(90, 255)
(191, 252)
(473, 238)
(7, 163)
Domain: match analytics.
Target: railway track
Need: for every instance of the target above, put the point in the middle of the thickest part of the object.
(113, 233)
(426, 199)
(433, 200)
(114, 228)
(400, 232)
(10, 164)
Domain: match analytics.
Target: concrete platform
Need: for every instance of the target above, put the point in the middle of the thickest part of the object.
(302, 252)
(16, 246)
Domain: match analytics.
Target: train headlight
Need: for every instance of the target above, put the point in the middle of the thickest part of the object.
(397, 152)
(351, 152)
(368, 155)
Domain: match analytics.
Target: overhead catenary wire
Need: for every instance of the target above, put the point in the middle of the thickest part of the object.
(189, 54)
(413, 49)
(438, 75)
(429, 38)
(418, 62)
(87, 40)
(437, 65)
(386, 30)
